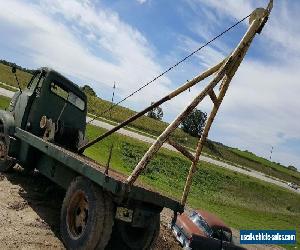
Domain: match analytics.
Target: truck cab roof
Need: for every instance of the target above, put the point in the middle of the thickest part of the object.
(65, 81)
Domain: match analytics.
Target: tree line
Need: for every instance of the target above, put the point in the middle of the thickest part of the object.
(11, 64)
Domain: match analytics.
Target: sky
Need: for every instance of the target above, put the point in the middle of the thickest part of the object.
(128, 43)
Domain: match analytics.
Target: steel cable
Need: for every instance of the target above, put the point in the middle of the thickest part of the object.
(169, 69)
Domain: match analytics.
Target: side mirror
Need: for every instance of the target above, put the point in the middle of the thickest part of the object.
(13, 69)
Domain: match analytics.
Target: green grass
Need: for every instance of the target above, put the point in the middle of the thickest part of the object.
(251, 161)
(149, 125)
(4, 102)
(242, 201)
(8, 87)
(154, 127)
(255, 158)
(222, 152)
(7, 77)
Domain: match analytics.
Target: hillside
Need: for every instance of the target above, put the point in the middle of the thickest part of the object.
(154, 127)
(242, 201)
(7, 77)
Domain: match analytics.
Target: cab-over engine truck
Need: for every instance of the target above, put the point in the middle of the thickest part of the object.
(44, 129)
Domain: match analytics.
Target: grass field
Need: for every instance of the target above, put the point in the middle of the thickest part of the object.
(252, 161)
(243, 202)
(154, 127)
(7, 77)
(4, 102)
(268, 167)
(220, 151)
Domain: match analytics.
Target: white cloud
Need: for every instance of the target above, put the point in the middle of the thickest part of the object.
(141, 1)
(260, 105)
(281, 28)
(207, 56)
(236, 9)
(261, 108)
(61, 34)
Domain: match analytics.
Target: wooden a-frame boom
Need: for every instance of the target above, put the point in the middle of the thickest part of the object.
(224, 71)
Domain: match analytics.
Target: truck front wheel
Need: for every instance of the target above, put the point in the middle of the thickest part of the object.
(6, 163)
(84, 216)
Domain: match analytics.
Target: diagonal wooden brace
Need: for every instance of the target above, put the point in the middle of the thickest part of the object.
(166, 134)
(213, 97)
(181, 149)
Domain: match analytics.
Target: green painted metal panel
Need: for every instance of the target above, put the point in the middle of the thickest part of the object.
(94, 172)
(55, 171)
(69, 160)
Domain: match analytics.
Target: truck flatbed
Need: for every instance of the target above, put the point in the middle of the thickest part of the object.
(114, 182)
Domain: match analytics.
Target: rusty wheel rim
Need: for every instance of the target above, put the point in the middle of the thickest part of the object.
(77, 214)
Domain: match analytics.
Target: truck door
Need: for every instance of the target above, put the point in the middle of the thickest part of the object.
(58, 102)
(24, 101)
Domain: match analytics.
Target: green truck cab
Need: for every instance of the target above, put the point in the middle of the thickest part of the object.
(42, 129)
(52, 95)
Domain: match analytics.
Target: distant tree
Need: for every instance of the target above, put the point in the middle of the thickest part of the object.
(88, 90)
(156, 113)
(194, 123)
(290, 167)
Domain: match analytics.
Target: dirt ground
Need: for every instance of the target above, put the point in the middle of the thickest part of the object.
(30, 210)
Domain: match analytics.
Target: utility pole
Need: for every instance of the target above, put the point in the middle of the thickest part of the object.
(271, 152)
(112, 144)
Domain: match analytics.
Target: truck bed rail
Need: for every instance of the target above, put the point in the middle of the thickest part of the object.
(114, 182)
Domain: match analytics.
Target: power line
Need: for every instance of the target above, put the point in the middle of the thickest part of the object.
(169, 69)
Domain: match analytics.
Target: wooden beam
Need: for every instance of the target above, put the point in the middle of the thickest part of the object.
(181, 149)
(168, 97)
(172, 126)
(237, 55)
(225, 84)
(213, 97)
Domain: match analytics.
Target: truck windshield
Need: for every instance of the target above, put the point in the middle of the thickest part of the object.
(227, 236)
(68, 96)
(222, 234)
(201, 223)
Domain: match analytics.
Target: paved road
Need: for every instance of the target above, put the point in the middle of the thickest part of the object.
(252, 173)
(7, 93)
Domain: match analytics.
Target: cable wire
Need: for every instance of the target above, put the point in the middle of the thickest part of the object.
(169, 69)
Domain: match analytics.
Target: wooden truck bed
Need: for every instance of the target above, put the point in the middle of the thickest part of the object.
(114, 182)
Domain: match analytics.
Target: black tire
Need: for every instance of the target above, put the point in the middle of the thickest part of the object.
(83, 215)
(6, 163)
(108, 222)
(126, 237)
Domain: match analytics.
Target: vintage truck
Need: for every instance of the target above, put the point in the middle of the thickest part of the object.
(44, 129)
